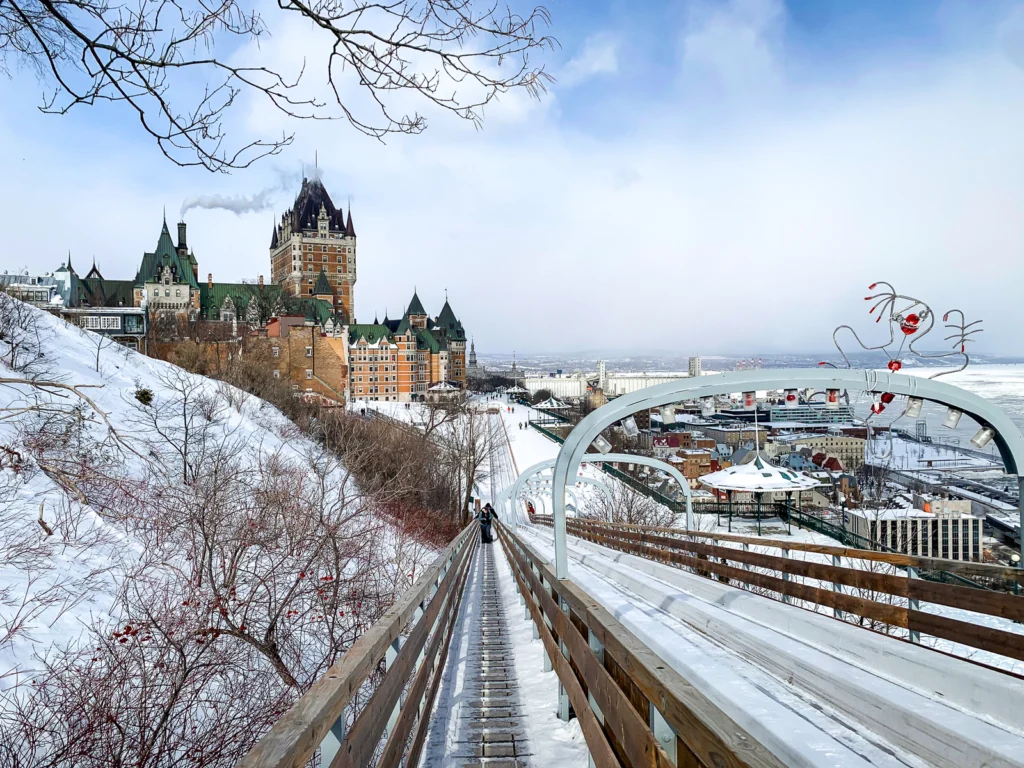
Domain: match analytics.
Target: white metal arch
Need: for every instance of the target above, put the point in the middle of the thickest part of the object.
(628, 458)
(545, 484)
(1008, 437)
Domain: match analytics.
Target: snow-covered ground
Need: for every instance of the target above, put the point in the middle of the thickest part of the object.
(71, 580)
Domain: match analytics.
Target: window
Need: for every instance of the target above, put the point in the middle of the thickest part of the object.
(309, 351)
(167, 292)
(277, 374)
(90, 322)
(110, 323)
(177, 293)
(309, 373)
(277, 352)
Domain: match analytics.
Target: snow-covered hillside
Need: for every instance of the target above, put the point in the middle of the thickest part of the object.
(160, 527)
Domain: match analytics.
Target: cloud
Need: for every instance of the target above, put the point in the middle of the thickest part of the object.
(688, 229)
(732, 49)
(600, 56)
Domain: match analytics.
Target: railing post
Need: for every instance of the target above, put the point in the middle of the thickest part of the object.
(597, 647)
(564, 707)
(663, 732)
(389, 659)
(785, 575)
(331, 744)
(746, 548)
(837, 562)
(913, 605)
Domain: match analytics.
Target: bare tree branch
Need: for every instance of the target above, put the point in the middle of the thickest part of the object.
(456, 55)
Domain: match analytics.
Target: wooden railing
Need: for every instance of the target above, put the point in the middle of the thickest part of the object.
(633, 708)
(858, 594)
(412, 640)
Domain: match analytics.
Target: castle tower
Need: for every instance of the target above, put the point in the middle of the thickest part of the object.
(314, 237)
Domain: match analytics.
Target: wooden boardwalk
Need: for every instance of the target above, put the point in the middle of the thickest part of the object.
(485, 728)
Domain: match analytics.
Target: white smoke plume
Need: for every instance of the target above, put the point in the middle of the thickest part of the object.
(264, 200)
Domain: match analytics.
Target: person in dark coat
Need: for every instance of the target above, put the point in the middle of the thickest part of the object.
(486, 518)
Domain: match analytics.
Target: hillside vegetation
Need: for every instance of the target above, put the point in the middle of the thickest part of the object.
(179, 559)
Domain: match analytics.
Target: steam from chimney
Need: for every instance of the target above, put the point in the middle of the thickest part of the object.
(237, 204)
(264, 200)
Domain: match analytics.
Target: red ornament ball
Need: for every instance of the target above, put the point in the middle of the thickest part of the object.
(910, 323)
(895, 365)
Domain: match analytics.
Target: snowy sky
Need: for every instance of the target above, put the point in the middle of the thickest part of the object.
(705, 177)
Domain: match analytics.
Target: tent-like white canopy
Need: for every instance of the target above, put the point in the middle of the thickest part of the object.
(550, 405)
(516, 390)
(443, 386)
(759, 477)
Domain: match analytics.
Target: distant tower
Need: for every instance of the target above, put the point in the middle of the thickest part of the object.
(472, 353)
(314, 236)
(694, 366)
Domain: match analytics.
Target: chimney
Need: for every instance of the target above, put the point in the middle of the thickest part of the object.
(261, 281)
(181, 237)
(209, 280)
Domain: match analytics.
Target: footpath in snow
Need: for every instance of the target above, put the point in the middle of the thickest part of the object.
(496, 700)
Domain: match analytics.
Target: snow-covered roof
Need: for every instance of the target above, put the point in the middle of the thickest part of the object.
(759, 476)
(551, 405)
(517, 390)
(443, 386)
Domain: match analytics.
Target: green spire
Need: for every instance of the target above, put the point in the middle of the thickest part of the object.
(323, 286)
(415, 306)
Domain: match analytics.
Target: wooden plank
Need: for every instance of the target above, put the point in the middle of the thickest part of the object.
(851, 577)
(888, 614)
(600, 752)
(989, 639)
(1002, 604)
(708, 732)
(296, 736)
(394, 750)
(362, 739)
(631, 731)
(435, 682)
(966, 568)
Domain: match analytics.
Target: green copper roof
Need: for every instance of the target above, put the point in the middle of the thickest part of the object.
(323, 286)
(165, 255)
(415, 306)
(430, 341)
(372, 333)
(212, 299)
(448, 324)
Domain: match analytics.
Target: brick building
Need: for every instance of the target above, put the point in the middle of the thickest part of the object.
(401, 359)
(313, 250)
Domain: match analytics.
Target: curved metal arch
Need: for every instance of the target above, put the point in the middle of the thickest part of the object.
(545, 482)
(1008, 437)
(594, 458)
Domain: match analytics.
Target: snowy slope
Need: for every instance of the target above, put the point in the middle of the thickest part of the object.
(64, 582)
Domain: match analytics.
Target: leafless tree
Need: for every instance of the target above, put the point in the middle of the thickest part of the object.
(467, 442)
(179, 421)
(457, 55)
(628, 506)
